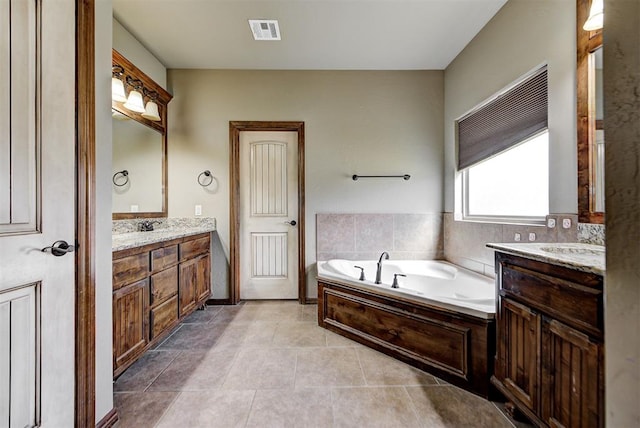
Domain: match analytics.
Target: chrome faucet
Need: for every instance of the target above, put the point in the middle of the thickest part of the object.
(384, 256)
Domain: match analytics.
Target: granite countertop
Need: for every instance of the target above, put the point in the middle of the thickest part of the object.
(582, 257)
(166, 230)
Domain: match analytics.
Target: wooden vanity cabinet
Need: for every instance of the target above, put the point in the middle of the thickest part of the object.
(550, 347)
(154, 286)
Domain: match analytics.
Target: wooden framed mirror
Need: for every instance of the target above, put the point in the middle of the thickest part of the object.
(590, 127)
(139, 181)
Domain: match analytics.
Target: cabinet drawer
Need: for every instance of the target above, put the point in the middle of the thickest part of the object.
(194, 247)
(130, 269)
(164, 285)
(163, 257)
(578, 305)
(163, 316)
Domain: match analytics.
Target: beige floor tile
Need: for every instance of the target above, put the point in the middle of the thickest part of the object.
(203, 316)
(380, 369)
(373, 407)
(325, 367)
(195, 409)
(304, 408)
(141, 409)
(335, 340)
(309, 313)
(195, 370)
(262, 369)
(256, 334)
(299, 334)
(449, 406)
(193, 336)
(144, 371)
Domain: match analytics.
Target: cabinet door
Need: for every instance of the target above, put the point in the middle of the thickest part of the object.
(572, 377)
(519, 351)
(203, 281)
(130, 321)
(187, 286)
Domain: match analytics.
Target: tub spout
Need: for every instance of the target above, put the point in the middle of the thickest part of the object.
(384, 256)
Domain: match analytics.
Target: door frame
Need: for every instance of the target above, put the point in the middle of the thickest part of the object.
(85, 215)
(235, 127)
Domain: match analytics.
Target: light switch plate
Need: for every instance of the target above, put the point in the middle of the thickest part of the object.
(198, 210)
(517, 237)
(532, 236)
(551, 223)
(566, 223)
(134, 208)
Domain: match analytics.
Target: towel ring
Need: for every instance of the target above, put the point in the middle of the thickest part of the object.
(205, 178)
(122, 176)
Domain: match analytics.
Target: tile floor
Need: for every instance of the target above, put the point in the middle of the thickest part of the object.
(268, 364)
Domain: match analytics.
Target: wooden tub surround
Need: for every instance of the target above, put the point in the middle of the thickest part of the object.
(154, 287)
(453, 346)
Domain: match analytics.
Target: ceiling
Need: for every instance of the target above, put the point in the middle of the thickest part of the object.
(316, 34)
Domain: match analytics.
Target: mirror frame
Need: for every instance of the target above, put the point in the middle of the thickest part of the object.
(587, 43)
(161, 126)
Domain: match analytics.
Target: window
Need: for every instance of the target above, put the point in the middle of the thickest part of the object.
(503, 154)
(514, 183)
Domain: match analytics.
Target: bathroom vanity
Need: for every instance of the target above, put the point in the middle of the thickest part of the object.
(550, 332)
(159, 277)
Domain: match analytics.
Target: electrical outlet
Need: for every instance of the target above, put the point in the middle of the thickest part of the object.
(551, 223)
(517, 237)
(566, 223)
(532, 236)
(198, 209)
(134, 208)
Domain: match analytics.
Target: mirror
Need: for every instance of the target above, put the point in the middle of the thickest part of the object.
(590, 120)
(139, 157)
(137, 149)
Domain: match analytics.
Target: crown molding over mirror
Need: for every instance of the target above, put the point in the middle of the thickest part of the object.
(162, 100)
(587, 43)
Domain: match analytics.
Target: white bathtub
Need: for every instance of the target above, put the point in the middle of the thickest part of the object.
(436, 283)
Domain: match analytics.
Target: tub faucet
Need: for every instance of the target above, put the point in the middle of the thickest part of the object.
(384, 256)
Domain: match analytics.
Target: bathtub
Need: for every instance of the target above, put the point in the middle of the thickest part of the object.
(433, 282)
(440, 319)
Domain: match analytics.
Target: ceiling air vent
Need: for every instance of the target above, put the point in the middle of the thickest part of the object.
(265, 29)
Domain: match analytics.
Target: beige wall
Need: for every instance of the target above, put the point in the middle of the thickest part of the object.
(125, 43)
(104, 326)
(622, 281)
(522, 36)
(355, 122)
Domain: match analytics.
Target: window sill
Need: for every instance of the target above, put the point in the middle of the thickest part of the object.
(516, 221)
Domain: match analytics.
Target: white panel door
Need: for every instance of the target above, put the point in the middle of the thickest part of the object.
(268, 215)
(37, 197)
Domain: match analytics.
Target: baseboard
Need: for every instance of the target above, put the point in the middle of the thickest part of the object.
(109, 419)
(226, 301)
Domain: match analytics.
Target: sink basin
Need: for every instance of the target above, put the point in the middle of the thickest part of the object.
(575, 250)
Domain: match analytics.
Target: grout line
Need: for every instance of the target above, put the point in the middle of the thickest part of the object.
(167, 409)
(364, 376)
(413, 405)
(246, 421)
(502, 413)
(162, 371)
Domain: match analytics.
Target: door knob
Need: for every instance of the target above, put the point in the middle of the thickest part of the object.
(59, 248)
(292, 222)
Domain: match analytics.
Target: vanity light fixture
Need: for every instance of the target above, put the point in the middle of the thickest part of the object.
(595, 21)
(151, 109)
(135, 101)
(117, 86)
